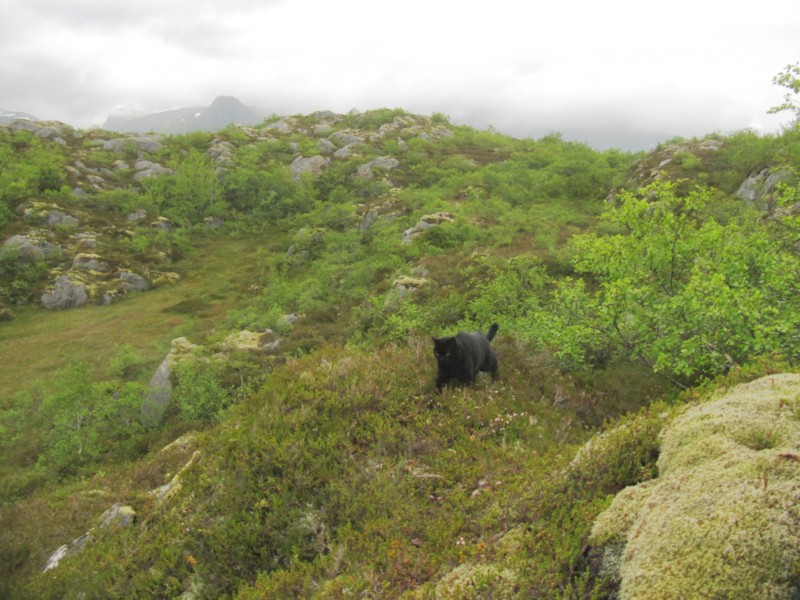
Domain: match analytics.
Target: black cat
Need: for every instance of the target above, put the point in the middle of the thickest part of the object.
(463, 355)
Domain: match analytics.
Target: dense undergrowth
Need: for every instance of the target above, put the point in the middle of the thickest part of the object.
(329, 467)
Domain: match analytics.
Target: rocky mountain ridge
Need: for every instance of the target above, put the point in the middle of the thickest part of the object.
(223, 111)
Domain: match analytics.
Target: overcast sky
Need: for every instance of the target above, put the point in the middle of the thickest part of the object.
(624, 73)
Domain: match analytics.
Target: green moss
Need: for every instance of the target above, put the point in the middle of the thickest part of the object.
(721, 519)
(474, 582)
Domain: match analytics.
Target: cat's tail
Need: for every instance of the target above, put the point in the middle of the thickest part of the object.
(492, 331)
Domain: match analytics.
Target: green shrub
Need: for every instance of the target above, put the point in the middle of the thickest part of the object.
(199, 394)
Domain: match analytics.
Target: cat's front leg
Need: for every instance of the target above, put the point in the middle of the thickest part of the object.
(441, 380)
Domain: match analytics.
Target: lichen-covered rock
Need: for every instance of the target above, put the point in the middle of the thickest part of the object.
(89, 262)
(760, 188)
(65, 293)
(145, 169)
(31, 248)
(138, 215)
(346, 138)
(312, 165)
(57, 217)
(162, 493)
(131, 282)
(326, 147)
(425, 223)
(721, 520)
(47, 214)
(144, 143)
(402, 287)
(119, 515)
(251, 341)
(213, 222)
(385, 163)
(163, 224)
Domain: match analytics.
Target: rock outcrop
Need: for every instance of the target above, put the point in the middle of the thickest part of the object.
(425, 223)
(721, 519)
(65, 293)
(384, 163)
(760, 188)
(312, 165)
(159, 392)
(119, 515)
(32, 248)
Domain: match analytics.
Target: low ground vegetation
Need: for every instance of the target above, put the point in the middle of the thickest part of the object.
(327, 466)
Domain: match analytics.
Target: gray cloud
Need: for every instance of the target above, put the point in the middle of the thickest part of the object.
(614, 74)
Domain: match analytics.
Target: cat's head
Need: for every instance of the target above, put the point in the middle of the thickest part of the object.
(445, 349)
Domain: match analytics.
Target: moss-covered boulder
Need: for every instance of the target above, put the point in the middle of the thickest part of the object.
(722, 518)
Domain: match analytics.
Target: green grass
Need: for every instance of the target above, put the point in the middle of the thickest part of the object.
(38, 342)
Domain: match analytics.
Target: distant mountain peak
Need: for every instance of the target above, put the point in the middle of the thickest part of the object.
(223, 111)
(7, 116)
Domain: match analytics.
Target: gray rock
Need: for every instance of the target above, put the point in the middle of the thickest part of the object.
(137, 215)
(292, 318)
(344, 153)
(283, 126)
(42, 213)
(51, 133)
(325, 114)
(385, 163)
(326, 146)
(131, 282)
(55, 558)
(346, 138)
(96, 180)
(74, 546)
(31, 249)
(86, 240)
(119, 515)
(213, 222)
(141, 143)
(163, 224)
(402, 287)
(221, 151)
(425, 223)
(313, 165)
(159, 390)
(89, 262)
(145, 169)
(759, 188)
(65, 294)
(56, 217)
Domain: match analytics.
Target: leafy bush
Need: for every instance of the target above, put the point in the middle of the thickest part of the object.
(199, 394)
(87, 420)
(687, 296)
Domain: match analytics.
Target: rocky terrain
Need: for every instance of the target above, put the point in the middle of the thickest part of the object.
(218, 377)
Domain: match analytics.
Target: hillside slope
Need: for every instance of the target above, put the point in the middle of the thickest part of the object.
(290, 277)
